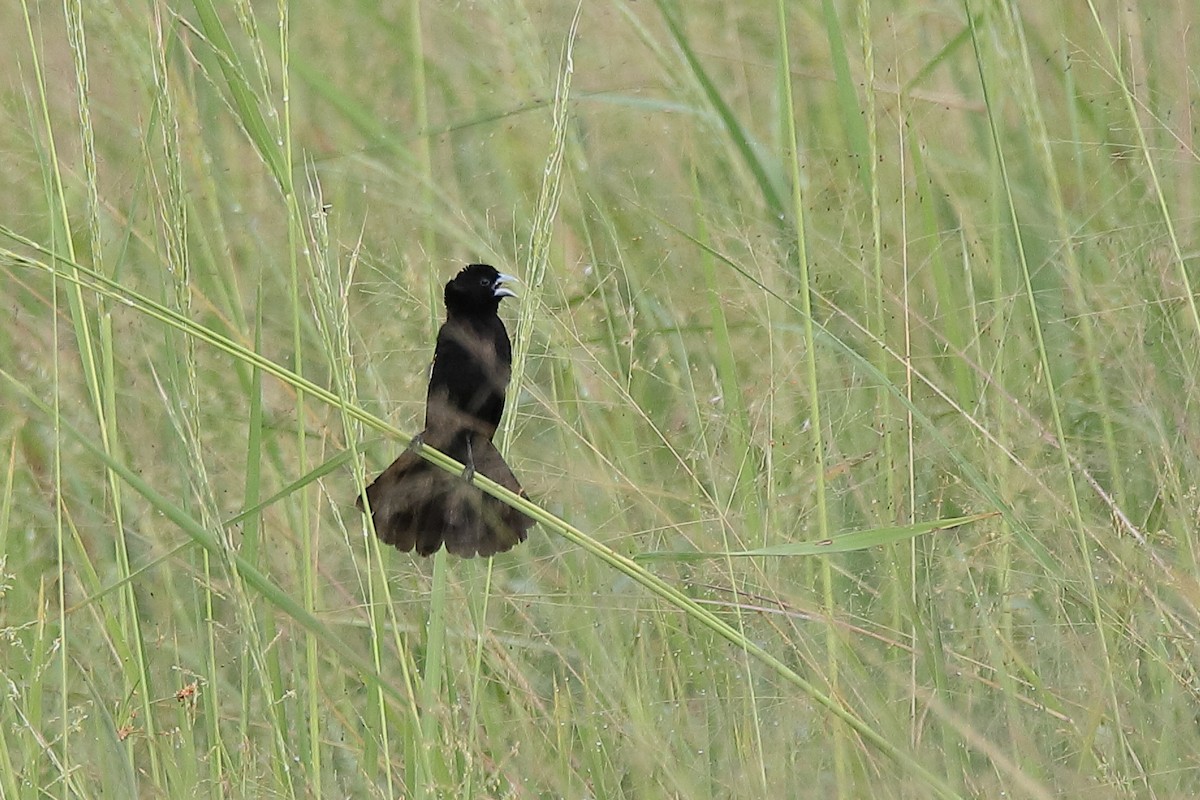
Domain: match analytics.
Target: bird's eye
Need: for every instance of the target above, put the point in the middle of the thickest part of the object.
(484, 282)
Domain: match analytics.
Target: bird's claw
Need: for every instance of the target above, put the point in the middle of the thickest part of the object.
(468, 472)
(416, 442)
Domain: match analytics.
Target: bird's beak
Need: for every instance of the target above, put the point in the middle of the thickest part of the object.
(500, 290)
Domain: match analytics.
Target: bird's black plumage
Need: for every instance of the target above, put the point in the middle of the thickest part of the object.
(418, 506)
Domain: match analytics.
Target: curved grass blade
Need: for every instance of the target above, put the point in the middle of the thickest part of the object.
(842, 543)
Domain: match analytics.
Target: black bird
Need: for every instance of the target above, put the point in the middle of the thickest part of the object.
(418, 505)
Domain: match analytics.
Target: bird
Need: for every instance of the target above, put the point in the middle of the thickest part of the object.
(417, 505)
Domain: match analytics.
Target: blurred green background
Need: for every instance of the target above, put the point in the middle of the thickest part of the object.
(791, 271)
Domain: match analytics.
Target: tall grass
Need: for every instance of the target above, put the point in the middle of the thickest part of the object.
(898, 300)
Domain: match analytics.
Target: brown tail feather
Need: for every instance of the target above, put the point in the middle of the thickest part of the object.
(418, 506)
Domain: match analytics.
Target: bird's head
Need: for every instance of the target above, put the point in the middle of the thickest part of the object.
(477, 289)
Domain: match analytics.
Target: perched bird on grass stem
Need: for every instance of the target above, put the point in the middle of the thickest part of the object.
(417, 505)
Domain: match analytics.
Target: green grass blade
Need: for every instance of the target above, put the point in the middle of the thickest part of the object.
(849, 542)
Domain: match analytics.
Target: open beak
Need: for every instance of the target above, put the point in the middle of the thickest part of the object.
(500, 290)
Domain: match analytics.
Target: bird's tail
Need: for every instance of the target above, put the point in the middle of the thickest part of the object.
(417, 505)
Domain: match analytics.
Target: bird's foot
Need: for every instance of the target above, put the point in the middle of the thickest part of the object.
(416, 442)
(468, 472)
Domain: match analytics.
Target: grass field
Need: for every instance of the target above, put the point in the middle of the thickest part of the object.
(903, 295)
